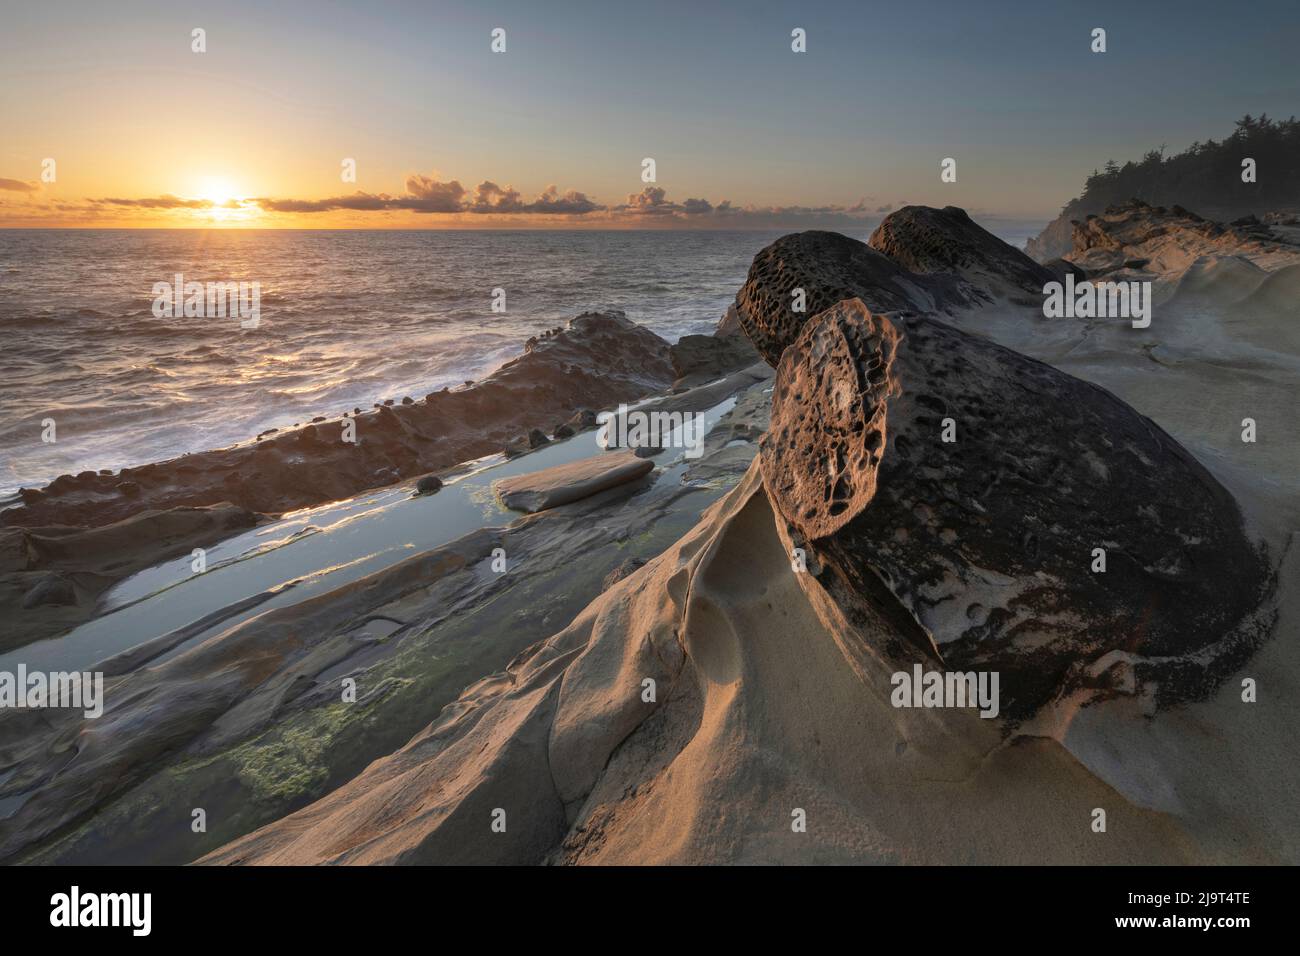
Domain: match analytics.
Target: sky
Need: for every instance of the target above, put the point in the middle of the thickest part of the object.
(744, 132)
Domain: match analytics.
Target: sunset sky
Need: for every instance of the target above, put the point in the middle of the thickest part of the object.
(744, 132)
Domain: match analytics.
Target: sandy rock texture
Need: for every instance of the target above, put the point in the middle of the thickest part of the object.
(767, 703)
(666, 686)
(725, 688)
(240, 712)
(1161, 242)
(925, 240)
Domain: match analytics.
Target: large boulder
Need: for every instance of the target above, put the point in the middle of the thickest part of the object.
(919, 259)
(829, 267)
(966, 493)
(926, 240)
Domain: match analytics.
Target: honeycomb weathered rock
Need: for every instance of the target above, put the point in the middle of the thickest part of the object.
(926, 240)
(829, 267)
(984, 544)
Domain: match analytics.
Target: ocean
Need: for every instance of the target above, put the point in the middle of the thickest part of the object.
(348, 318)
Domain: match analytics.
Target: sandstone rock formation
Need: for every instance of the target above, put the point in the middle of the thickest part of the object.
(1164, 241)
(919, 258)
(768, 689)
(572, 481)
(764, 701)
(927, 240)
(829, 267)
(1058, 237)
(238, 710)
(771, 686)
(961, 490)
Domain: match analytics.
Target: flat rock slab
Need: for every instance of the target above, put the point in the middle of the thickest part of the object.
(552, 487)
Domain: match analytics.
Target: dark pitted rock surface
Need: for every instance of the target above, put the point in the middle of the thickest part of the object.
(830, 267)
(981, 549)
(926, 240)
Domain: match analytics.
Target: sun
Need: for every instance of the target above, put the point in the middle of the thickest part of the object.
(225, 203)
(217, 191)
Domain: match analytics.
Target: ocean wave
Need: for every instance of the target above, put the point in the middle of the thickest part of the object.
(348, 319)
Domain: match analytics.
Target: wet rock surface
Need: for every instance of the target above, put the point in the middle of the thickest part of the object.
(597, 360)
(573, 481)
(51, 579)
(981, 549)
(240, 712)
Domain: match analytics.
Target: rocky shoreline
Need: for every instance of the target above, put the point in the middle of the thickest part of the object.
(678, 654)
(55, 572)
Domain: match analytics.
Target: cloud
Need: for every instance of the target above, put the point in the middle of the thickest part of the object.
(158, 202)
(360, 202)
(572, 202)
(652, 204)
(426, 194)
(429, 195)
(18, 186)
(651, 207)
(489, 197)
(650, 201)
